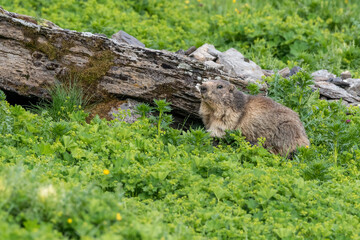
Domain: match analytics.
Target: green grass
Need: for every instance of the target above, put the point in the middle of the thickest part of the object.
(66, 98)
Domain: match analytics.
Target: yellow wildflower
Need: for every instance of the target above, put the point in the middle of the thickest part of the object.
(106, 171)
(69, 220)
(307, 146)
(187, 1)
(346, 1)
(118, 217)
(234, 1)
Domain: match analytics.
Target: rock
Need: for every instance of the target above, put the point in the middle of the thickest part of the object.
(125, 112)
(214, 65)
(332, 91)
(100, 35)
(268, 73)
(190, 50)
(352, 81)
(180, 51)
(295, 70)
(237, 65)
(213, 51)
(206, 52)
(354, 92)
(322, 75)
(356, 104)
(123, 37)
(285, 72)
(354, 87)
(339, 82)
(345, 75)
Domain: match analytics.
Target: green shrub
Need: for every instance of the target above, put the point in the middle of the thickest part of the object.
(331, 127)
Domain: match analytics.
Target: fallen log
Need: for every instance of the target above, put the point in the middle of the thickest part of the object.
(34, 56)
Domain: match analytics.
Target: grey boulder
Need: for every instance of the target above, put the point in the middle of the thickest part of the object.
(123, 37)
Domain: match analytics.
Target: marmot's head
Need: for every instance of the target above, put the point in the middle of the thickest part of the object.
(217, 92)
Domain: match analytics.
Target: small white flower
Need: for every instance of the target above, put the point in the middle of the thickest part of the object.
(46, 192)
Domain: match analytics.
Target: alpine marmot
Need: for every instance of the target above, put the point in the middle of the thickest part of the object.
(223, 107)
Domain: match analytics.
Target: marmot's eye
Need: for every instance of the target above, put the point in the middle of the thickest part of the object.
(220, 86)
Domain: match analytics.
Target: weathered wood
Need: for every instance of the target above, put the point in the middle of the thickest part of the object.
(34, 57)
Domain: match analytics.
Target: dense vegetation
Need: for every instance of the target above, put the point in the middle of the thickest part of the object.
(61, 177)
(68, 178)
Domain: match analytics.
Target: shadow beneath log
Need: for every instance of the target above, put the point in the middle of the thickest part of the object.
(180, 121)
(15, 99)
(185, 122)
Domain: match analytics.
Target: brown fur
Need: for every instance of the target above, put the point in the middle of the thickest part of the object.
(227, 108)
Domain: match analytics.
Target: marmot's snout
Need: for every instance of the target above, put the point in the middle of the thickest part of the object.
(204, 91)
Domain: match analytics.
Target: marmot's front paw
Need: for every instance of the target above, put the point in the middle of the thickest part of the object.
(216, 133)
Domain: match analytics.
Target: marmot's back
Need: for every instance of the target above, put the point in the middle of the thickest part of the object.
(280, 125)
(223, 107)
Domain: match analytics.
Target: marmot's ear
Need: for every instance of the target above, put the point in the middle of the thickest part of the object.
(232, 88)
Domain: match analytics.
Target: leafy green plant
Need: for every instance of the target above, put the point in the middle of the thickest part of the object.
(318, 169)
(122, 114)
(162, 120)
(197, 139)
(253, 88)
(163, 107)
(2, 96)
(143, 109)
(5, 118)
(294, 92)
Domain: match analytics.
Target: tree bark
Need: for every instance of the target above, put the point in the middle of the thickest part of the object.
(34, 56)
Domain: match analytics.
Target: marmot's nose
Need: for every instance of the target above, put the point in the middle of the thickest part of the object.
(203, 89)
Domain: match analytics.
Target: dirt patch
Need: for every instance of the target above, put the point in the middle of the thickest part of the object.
(103, 109)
